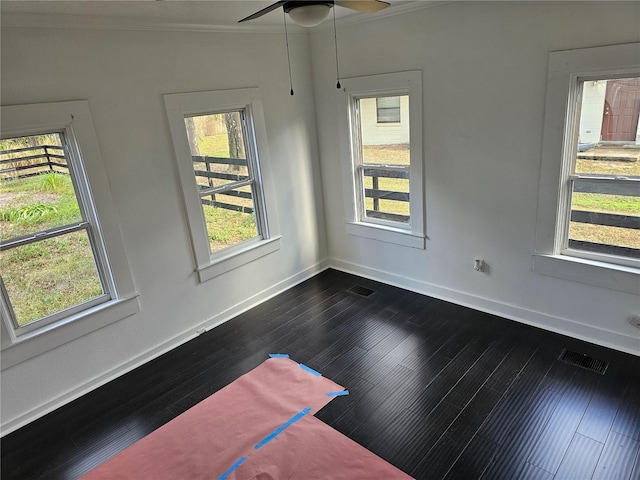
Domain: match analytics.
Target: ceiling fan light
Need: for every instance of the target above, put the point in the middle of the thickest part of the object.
(309, 15)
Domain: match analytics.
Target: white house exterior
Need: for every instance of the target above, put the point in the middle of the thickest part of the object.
(375, 133)
(591, 115)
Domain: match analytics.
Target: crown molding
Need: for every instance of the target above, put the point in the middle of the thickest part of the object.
(95, 22)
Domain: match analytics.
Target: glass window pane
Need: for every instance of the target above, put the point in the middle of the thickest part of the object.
(609, 132)
(388, 109)
(230, 217)
(606, 211)
(36, 191)
(388, 102)
(217, 145)
(219, 160)
(48, 276)
(386, 197)
(383, 144)
(605, 235)
(386, 190)
(605, 218)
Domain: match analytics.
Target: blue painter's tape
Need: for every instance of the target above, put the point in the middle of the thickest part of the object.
(338, 394)
(310, 370)
(278, 355)
(282, 428)
(233, 468)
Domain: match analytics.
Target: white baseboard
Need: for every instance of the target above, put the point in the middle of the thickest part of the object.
(155, 352)
(588, 333)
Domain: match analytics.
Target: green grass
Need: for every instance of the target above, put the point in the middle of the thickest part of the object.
(49, 276)
(38, 203)
(617, 204)
(214, 145)
(226, 227)
(595, 202)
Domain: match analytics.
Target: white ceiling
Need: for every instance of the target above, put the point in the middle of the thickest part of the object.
(208, 14)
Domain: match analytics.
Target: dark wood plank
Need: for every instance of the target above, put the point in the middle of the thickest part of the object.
(518, 443)
(531, 472)
(603, 407)
(554, 440)
(473, 460)
(581, 458)
(617, 459)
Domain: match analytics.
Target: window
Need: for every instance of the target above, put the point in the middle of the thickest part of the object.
(388, 109)
(603, 181)
(50, 264)
(590, 218)
(59, 240)
(220, 147)
(226, 178)
(383, 164)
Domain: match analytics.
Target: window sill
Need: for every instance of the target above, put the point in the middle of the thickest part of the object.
(590, 272)
(55, 334)
(237, 258)
(387, 234)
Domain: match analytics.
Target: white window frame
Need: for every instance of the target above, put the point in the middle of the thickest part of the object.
(92, 187)
(389, 84)
(566, 70)
(178, 107)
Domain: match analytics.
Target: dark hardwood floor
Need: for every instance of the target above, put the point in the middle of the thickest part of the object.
(439, 390)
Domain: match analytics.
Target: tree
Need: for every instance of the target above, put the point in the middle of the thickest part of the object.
(191, 133)
(234, 135)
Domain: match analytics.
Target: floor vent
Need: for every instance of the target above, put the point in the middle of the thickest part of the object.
(362, 291)
(584, 361)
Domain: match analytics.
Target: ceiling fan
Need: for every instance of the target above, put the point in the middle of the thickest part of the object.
(313, 12)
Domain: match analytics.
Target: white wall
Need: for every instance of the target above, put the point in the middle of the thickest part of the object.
(123, 75)
(484, 78)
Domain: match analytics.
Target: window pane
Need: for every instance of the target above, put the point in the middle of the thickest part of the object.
(386, 189)
(602, 218)
(605, 235)
(605, 201)
(383, 144)
(219, 159)
(388, 102)
(49, 276)
(386, 194)
(388, 109)
(218, 143)
(609, 132)
(230, 217)
(36, 191)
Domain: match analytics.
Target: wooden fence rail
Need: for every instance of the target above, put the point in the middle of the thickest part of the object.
(32, 161)
(626, 187)
(53, 160)
(377, 194)
(209, 174)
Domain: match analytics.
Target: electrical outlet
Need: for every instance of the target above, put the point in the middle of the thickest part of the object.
(634, 320)
(478, 265)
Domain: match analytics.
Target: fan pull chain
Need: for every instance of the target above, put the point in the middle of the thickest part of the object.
(335, 42)
(286, 36)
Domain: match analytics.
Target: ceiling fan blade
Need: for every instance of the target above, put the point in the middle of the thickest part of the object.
(263, 11)
(366, 6)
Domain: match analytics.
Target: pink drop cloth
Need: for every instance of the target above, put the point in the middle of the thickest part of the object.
(217, 438)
